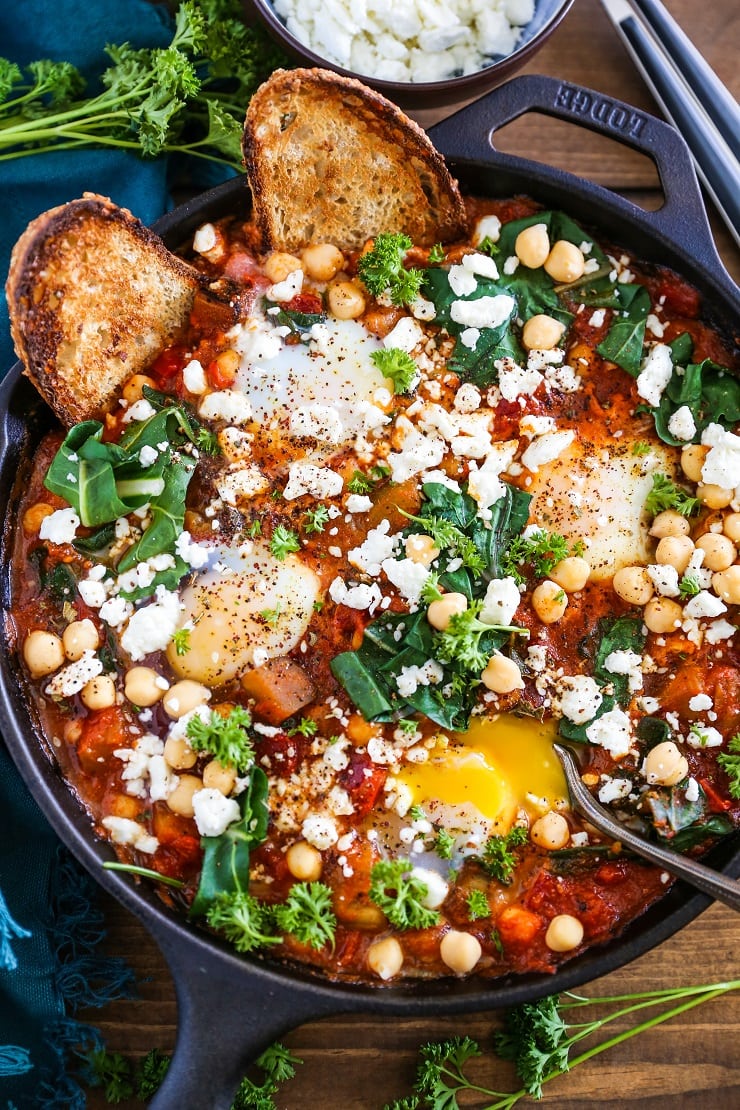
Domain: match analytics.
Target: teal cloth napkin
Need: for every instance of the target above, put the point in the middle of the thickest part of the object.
(49, 925)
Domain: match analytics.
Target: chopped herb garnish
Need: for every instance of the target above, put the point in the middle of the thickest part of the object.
(307, 914)
(729, 761)
(416, 813)
(399, 893)
(398, 366)
(665, 494)
(305, 727)
(477, 904)
(382, 271)
(242, 919)
(225, 738)
(461, 641)
(444, 843)
(283, 542)
(207, 442)
(271, 617)
(498, 857)
(316, 519)
(255, 529)
(487, 246)
(543, 550)
(689, 586)
(437, 253)
(359, 483)
(181, 640)
(640, 448)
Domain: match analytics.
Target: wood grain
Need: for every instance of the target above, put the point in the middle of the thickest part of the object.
(688, 1063)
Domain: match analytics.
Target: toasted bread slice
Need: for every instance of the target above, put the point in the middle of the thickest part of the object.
(330, 160)
(94, 296)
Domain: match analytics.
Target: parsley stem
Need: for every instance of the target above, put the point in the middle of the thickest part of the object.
(144, 872)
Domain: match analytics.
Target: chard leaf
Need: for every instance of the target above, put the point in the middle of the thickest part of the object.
(168, 515)
(625, 338)
(362, 684)
(226, 857)
(689, 837)
(622, 634)
(100, 538)
(711, 392)
(476, 364)
(169, 578)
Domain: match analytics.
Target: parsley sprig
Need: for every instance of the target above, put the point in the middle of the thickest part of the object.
(225, 738)
(448, 537)
(398, 892)
(462, 641)
(665, 494)
(187, 97)
(499, 854)
(308, 915)
(398, 366)
(542, 550)
(382, 270)
(538, 1038)
(283, 542)
(729, 761)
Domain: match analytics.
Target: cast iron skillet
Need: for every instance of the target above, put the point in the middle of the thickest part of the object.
(230, 1007)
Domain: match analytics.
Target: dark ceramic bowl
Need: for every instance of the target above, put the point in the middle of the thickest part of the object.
(425, 94)
(230, 1007)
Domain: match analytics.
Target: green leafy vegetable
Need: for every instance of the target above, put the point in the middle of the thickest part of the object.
(469, 642)
(665, 494)
(710, 391)
(624, 341)
(187, 97)
(300, 323)
(399, 894)
(283, 542)
(398, 366)
(619, 634)
(277, 1065)
(382, 271)
(307, 913)
(444, 842)
(181, 640)
(111, 1071)
(359, 483)
(498, 857)
(729, 761)
(477, 904)
(544, 550)
(225, 738)
(243, 920)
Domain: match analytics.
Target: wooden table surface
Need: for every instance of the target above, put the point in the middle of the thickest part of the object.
(356, 1063)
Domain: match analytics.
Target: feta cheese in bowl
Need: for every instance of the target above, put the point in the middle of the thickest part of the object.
(423, 53)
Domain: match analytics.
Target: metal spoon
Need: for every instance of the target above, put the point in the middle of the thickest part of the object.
(714, 883)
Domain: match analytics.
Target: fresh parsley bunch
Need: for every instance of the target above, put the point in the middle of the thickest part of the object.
(188, 97)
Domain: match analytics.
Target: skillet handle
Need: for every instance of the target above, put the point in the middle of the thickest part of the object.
(468, 136)
(226, 1018)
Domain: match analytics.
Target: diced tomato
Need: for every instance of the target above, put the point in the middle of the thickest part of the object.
(180, 859)
(309, 303)
(220, 373)
(168, 365)
(243, 267)
(517, 927)
(282, 751)
(714, 801)
(102, 732)
(363, 780)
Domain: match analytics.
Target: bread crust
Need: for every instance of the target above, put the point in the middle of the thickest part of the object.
(329, 159)
(93, 296)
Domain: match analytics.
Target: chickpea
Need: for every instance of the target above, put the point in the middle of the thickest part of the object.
(440, 612)
(345, 300)
(726, 584)
(421, 549)
(532, 246)
(549, 601)
(731, 527)
(550, 831)
(460, 951)
(33, 517)
(99, 692)
(385, 957)
(179, 754)
(719, 551)
(279, 264)
(714, 497)
(304, 861)
(81, 636)
(571, 573)
(502, 675)
(633, 584)
(662, 614)
(43, 653)
(542, 333)
(692, 460)
(180, 800)
(133, 390)
(185, 696)
(143, 686)
(665, 765)
(564, 933)
(218, 777)
(676, 551)
(228, 364)
(565, 262)
(322, 261)
(669, 523)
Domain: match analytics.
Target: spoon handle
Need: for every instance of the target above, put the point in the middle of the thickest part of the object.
(714, 883)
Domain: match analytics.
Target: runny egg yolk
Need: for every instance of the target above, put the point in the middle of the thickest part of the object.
(501, 764)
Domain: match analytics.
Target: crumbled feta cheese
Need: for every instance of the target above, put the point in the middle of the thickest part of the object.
(532, 426)
(226, 404)
(481, 264)
(71, 679)
(704, 736)
(376, 547)
(614, 789)
(124, 831)
(408, 576)
(437, 887)
(722, 464)
(410, 678)
(60, 526)
(682, 424)
(488, 227)
(665, 579)
(486, 312)
(204, 239)
(319, 831)
(467, 398)
(597, 318)
(462, 281)
(655, 374)
(627, 663)
(704, 604)
(285, 290)
(501, 601)
(692, 791)
(239, 483)
(148, 455)
(317, 481)
(405, 335)
(116, 611)
(484, 483)
(700, 702)
(360, 597)
(578, 697)
(214, 812)
(546, 448)
(719, 630)
(321, 422)
(515, 381)
(151, 627)
(139, 411)
(612, 731)
(93, 593)
(418, 452)
(192, 553)
(194, 378)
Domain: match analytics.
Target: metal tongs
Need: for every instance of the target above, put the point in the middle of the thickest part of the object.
(714, 883)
